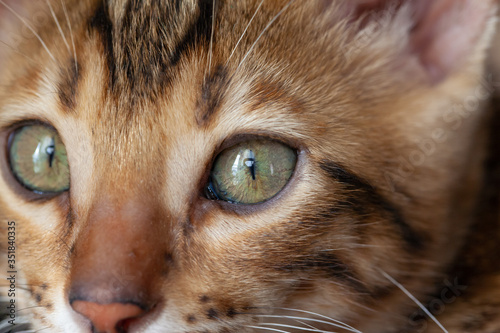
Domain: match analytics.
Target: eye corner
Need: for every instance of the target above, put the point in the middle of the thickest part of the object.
(209, 191)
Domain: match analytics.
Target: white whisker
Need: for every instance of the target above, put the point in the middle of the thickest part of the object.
(18, 52)
(25, 56)
(30, 28)
(320, 316)
(263, 31)
(244, 31)
(413, 298)
(335, 324)
(310, 328)
(307, 325)
(29, 308)
(58, 25)
(211, 38)
(22, 327)
(267, 329)
(71, 34)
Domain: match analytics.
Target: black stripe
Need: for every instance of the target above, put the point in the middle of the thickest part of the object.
(212, 93)
(362, 195)
(101, 23)
(68, 86)
(328, 264)
(200, 30)
(70, 219)
(138, 47)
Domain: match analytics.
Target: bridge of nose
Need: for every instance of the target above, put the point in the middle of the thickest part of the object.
(118, 253)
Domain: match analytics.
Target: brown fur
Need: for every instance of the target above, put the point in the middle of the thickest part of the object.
(388, 178)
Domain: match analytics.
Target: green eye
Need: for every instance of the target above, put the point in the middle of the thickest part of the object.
(38, 159)
(251, 172)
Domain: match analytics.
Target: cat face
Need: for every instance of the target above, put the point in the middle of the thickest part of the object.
(226, 167)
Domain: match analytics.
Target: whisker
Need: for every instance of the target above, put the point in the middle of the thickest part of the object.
(29, 307)
(6, 327)
(30, 28)
(225, 322)
(413, 298)
(18, 52)
(266, 328)
(220, 320)
(310, 328)
(307, 325)
(58, 25)
(211, 37)
(19, 286)
(338, 325)
(71, 34)
(320, 316)
(244, 32)
(263, 31)
(59, 238)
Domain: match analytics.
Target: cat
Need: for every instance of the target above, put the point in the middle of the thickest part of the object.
(248, 166)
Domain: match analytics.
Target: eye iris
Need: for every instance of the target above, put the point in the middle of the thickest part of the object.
(253, 171)
(38, 159)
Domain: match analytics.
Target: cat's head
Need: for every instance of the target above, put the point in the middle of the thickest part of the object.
(190, 166)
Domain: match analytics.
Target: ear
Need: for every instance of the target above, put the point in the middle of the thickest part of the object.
(444, 33)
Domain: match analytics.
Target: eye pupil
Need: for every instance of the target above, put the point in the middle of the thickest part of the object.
(250, 163)
(50, 151)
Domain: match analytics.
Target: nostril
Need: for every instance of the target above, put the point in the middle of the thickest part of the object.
(108, 318)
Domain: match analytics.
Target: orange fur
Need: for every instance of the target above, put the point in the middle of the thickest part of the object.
(144, 103)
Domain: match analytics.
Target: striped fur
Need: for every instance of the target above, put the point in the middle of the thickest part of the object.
(146, 93)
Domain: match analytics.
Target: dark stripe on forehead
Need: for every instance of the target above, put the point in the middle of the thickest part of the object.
(362, 194)
(146, 40)
(101, 23)
(212, 93)
(200, 30)
(68, 86)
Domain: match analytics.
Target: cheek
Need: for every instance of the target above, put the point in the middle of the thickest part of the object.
(38, 258)
(39, 239)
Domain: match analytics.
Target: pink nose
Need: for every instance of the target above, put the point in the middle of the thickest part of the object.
(108, 318)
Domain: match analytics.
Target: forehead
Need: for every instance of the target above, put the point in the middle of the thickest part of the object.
(182, 64)
(134, 54)
(146, 42)
(169, 77)
(155, 86)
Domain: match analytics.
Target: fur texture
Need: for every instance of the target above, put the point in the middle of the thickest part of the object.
(385, 102)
